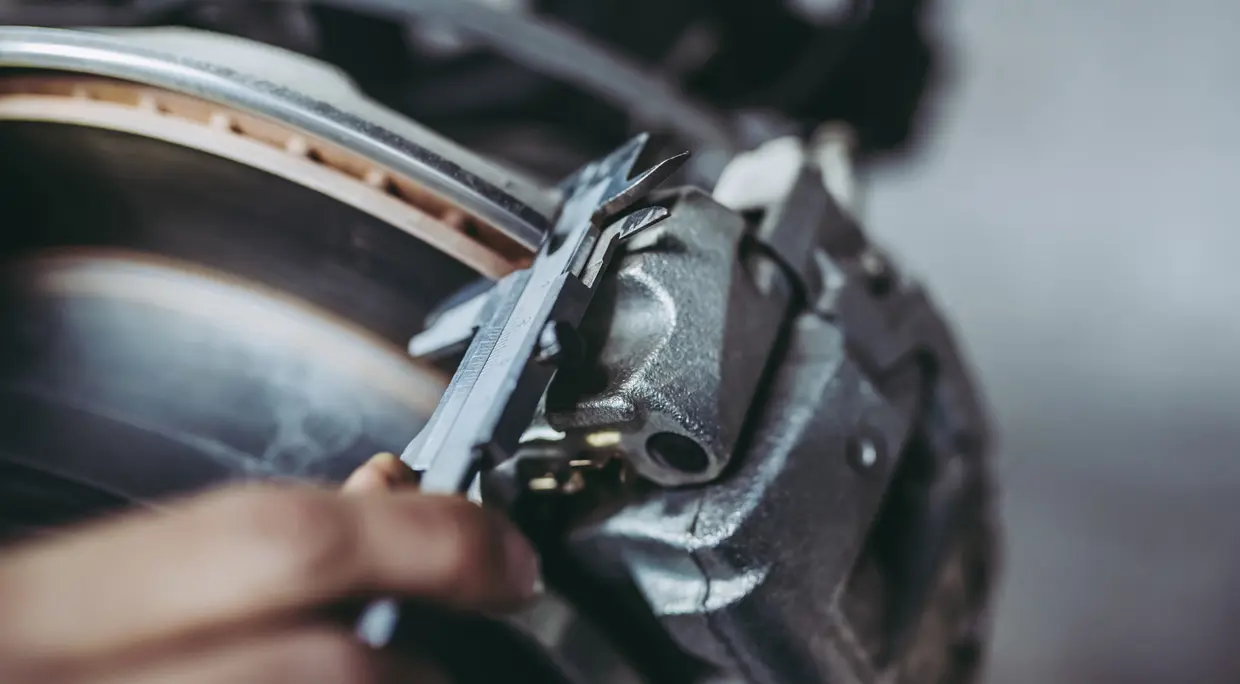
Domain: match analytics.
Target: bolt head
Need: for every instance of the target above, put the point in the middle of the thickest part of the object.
(863, 454)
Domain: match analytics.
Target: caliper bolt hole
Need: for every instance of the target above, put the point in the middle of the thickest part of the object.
(678, 453)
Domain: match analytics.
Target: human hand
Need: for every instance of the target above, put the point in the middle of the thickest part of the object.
(239, 586)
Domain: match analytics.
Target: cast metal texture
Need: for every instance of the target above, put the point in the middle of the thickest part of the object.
(748, 573)
(497, 388)
(683, 331)
(753, 573)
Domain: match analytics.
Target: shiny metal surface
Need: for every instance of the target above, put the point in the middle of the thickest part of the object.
(850, 539)
(844, 449)
(748, 574)
(518, 348)
(500, 383)
(129, 59)
(150, 377)
(172, 320)
(682, 334)
(262, 144)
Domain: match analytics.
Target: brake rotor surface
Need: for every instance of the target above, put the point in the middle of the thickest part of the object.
(172, 319)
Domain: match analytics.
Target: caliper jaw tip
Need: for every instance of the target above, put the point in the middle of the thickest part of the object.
(450, 332)
(632, 191)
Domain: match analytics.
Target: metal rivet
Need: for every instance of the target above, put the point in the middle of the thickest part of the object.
(863, 454)
(547, 483)
(604, 440)
(881, 277)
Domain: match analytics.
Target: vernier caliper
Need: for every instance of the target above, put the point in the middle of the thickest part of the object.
(519, 335)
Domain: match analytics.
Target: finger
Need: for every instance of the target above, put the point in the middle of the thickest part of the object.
(382, 473)
(308, 656)
(249, 555)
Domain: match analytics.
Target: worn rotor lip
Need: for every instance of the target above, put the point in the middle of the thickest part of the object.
(113, 57)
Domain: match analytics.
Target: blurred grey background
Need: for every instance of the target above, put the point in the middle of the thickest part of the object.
(1077, 210)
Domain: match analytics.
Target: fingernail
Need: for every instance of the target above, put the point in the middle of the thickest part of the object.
(395, 471)
(384, 457)
(523, 566)
(389, 464)
(365, 481)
